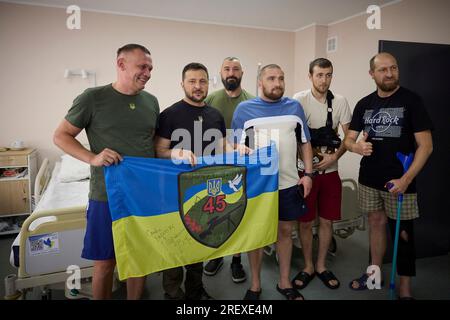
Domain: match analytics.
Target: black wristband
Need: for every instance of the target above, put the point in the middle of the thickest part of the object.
(309, 174)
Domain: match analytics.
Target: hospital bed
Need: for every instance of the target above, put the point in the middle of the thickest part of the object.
(51, 238)
(351, 219)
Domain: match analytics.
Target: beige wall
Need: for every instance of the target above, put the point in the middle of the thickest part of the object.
(408, 20)
(304, 52)
(309, 45)
(36, 47)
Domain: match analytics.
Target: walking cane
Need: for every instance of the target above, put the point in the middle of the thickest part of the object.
(406, 161)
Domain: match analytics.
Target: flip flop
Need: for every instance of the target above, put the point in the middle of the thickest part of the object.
(326, 276)
(362, 283)
(252, 295)
(304, 277)
(290, 293)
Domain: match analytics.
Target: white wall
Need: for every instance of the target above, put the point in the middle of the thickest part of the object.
(408, 20)
(36, 47)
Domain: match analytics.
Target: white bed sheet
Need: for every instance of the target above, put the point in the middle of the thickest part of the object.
(57, 195)
(63, 194)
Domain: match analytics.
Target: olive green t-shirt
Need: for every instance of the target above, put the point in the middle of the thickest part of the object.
(120, 122)
(225, 104)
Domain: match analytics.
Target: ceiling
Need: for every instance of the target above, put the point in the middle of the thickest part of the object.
(286, 15)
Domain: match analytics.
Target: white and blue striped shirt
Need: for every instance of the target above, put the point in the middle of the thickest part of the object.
(282, 121)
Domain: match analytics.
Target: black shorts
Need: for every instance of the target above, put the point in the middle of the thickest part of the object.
(291, 205)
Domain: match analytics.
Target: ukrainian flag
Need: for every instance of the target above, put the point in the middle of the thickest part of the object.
(167, 215)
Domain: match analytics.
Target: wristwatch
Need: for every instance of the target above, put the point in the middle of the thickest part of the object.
(309, 174)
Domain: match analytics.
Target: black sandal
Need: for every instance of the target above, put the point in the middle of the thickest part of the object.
(290, 293)
(252, 295)
(304, 277)
(326, 276)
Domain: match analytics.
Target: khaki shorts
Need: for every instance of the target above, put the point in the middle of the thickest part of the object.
(371, 199)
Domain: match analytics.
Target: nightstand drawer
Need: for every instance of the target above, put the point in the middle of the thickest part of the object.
(14, 197)
(13, 161)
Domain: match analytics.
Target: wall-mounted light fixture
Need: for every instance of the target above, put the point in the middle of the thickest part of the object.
(258, 70)
(213, 81)
(83, 73)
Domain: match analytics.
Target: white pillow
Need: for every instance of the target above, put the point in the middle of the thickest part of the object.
(73, 169)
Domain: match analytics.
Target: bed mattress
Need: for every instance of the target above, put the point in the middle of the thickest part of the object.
(57, 195)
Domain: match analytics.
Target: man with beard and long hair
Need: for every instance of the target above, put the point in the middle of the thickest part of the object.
(226, 101)
(180, 133)
(325, 197)
(261, 121)
(393, 119)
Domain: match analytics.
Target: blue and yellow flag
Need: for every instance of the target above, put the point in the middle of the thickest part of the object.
(167, 215)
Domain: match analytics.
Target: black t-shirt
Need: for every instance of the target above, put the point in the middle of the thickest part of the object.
(390, 123)
(202, 127)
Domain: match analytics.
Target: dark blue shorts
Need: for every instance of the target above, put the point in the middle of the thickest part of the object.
(291, 205)
(98, 240)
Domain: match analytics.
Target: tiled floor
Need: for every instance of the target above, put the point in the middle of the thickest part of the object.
(432, 281)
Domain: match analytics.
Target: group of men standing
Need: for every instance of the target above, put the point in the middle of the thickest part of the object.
(122, 119)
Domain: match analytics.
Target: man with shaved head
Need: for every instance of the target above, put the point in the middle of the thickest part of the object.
(226, 101)
(261, 121)
(119, 119)
(392, 119)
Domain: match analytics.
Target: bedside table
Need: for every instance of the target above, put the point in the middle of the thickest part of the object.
(16, 190)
